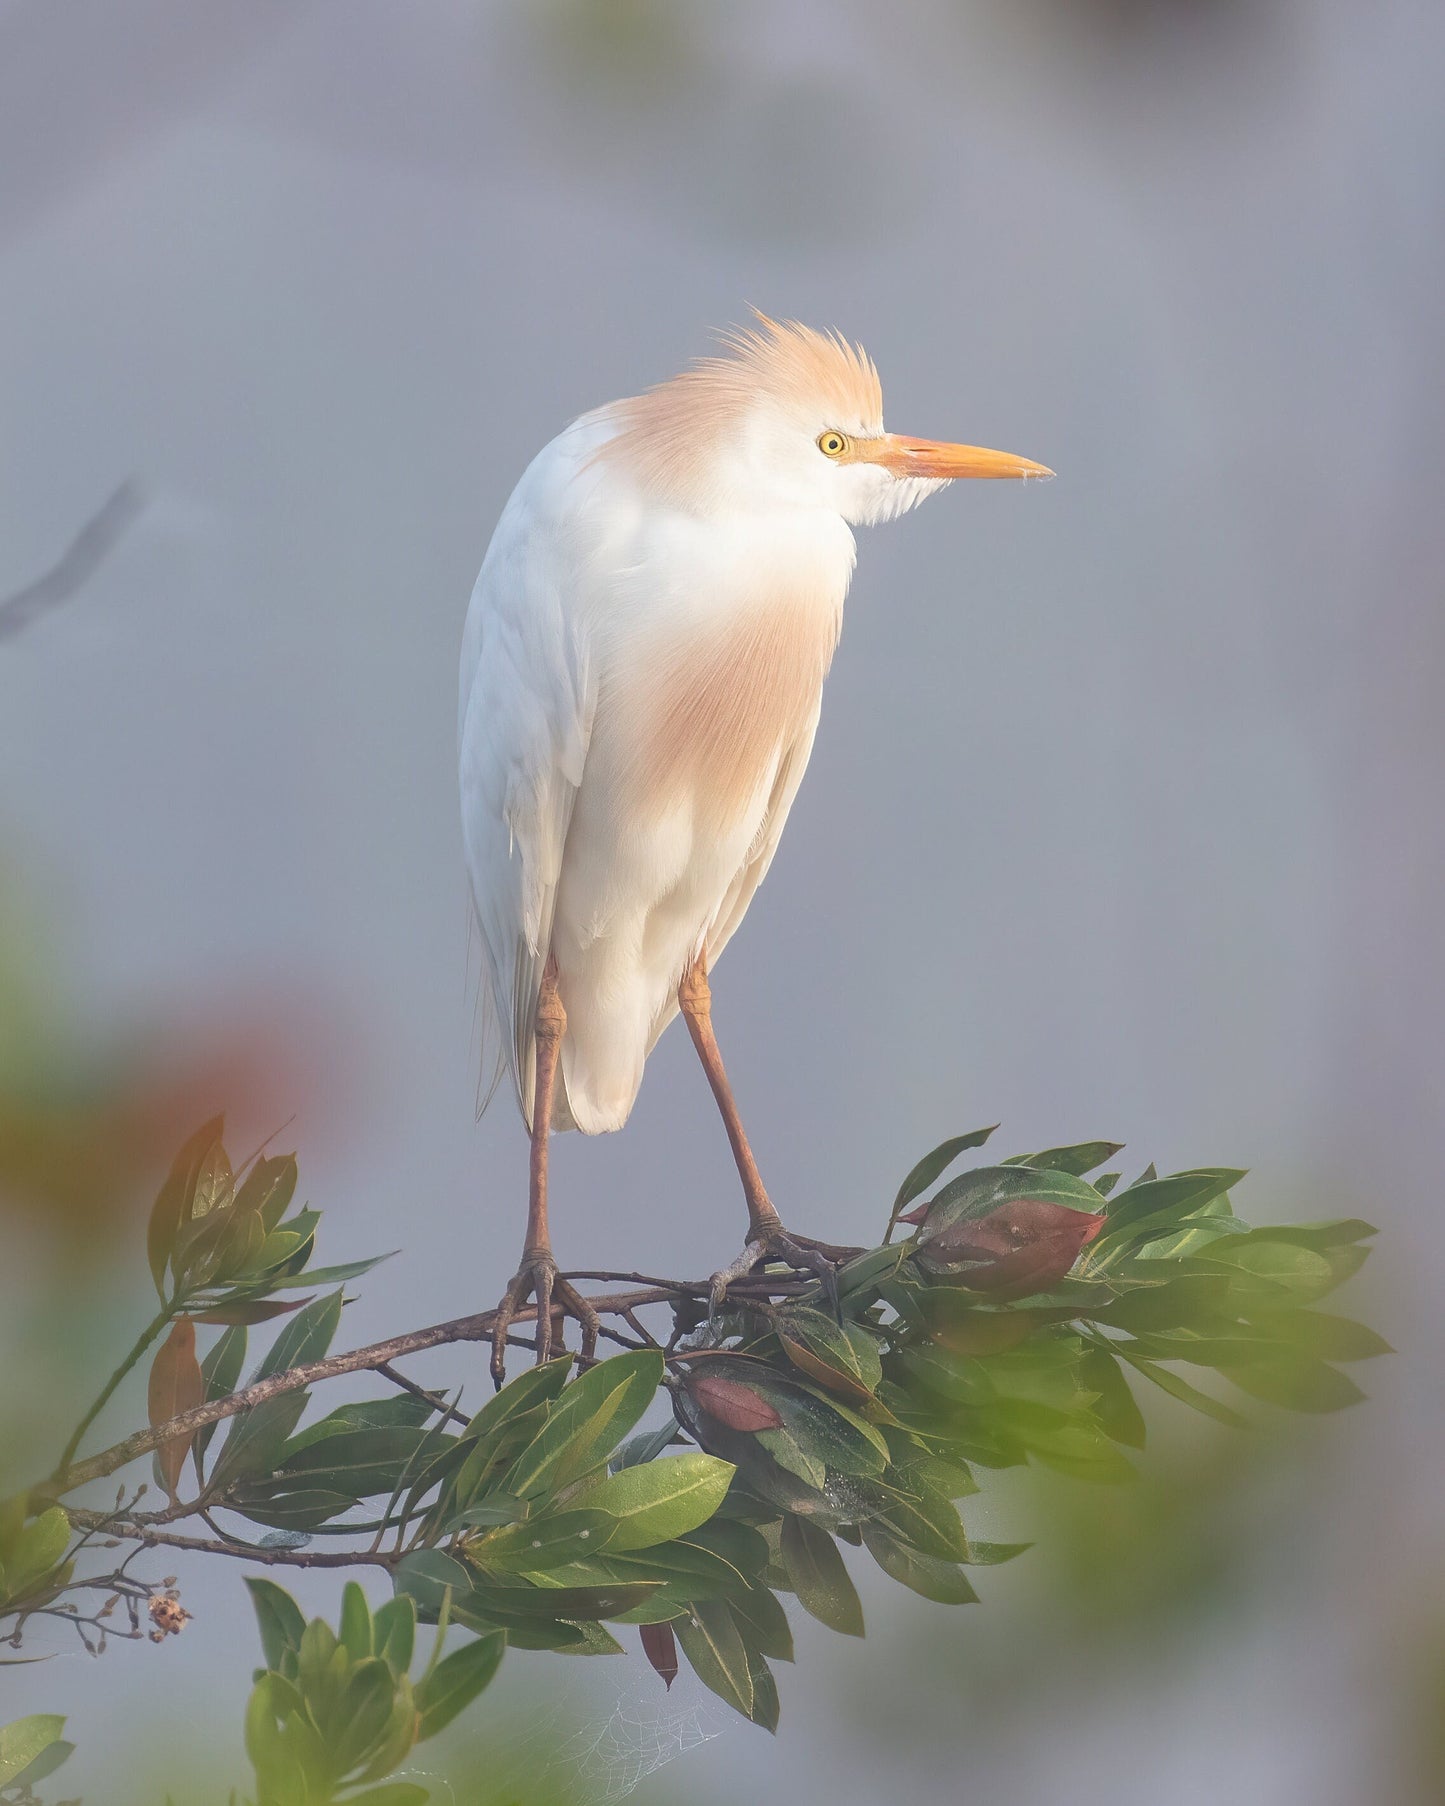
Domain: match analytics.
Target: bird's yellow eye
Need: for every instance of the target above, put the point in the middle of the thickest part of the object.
(832, 445)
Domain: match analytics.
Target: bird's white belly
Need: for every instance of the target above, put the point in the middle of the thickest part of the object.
(691, 732)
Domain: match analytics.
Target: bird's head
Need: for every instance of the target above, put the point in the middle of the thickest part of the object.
(789, 418)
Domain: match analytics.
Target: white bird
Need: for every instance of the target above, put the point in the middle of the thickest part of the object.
(641, 674)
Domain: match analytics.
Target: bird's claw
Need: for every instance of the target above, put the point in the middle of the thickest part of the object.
(772, 1242)
(538, 1278)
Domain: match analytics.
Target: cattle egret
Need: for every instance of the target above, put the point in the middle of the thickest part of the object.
(642, 668)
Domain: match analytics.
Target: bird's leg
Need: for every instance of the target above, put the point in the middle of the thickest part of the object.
(767, 1239)
(537, 1276)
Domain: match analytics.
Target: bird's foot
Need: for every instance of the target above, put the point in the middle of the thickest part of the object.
(769, 1241)
(538, 1278)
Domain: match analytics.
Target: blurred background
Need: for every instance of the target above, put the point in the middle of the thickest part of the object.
(1124, 819)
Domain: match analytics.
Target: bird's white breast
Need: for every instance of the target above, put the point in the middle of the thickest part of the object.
(640, 687)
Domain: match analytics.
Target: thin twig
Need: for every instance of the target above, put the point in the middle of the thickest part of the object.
(476, 1328)
(79, 562)
(375, 1355)
(434, 1399)
(207, 1545)
(142, 1343)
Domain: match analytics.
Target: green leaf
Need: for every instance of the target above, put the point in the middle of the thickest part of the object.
(687, 1572)
(456, 1681)
(393, 1629)
(279, 1618)
(974, 1194)
(1168, 1306)
(400, 1411)
(45, 1764)
(305, 1338)
(355, 1627)
(1157, 1201)
(424, 1576)
(259, 1435)
(819, 1576)
(325, 1276)
(1115, 1407)
(362, 1715)
(763, 1622)
(395, 1793)
(220, 1371)
(246, 1310)
(942, 1581)
(173, 1203)
(766, 1705)
(925, 1520)
(1286, 1266)
(659, 1500)
(713, 1644)
(36, 1551)
(1169, 1381)
(23, 1740)
(841, 1358)
(507, 1603)
(1081, 1158)
(932, 1165)
(360, 1462)
(1296, 1380)
(289, 1508)
(542, 1542)
(647, 1445)
(257, 1438)
(538, 1385)
(269, 1188)
(593, 1414)
(1319, 1333)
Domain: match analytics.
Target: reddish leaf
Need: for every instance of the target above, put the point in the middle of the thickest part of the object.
(660, 1647)
(917, 1214)
(733, 1404)
(176, 1385)
(1023, 1246)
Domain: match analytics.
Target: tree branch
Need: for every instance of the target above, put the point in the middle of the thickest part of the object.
(209, 1545)
(375, 1355)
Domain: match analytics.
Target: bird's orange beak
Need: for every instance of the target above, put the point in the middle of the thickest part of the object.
(935, 458)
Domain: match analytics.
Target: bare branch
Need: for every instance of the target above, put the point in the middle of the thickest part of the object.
(208, 1545)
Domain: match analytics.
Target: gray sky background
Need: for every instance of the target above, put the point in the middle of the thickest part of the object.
(1125, 814)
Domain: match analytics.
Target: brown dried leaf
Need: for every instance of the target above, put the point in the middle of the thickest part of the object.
(736, 1406)
(660, 1647)
(176, 1385)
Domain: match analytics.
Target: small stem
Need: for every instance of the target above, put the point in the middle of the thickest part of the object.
(434, 1399)
(143, 1342)
(293, 1558)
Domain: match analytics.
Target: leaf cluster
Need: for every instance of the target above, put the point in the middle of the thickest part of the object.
(1012, 1325)
(334, 1712)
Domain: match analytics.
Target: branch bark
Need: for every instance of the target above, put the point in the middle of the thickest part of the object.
(150, 1538)
(373, 1357)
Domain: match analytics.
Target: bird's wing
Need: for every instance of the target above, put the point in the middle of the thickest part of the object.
(525, 721)
(739, 894)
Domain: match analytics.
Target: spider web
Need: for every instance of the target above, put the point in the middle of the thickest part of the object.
(604, 1758)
